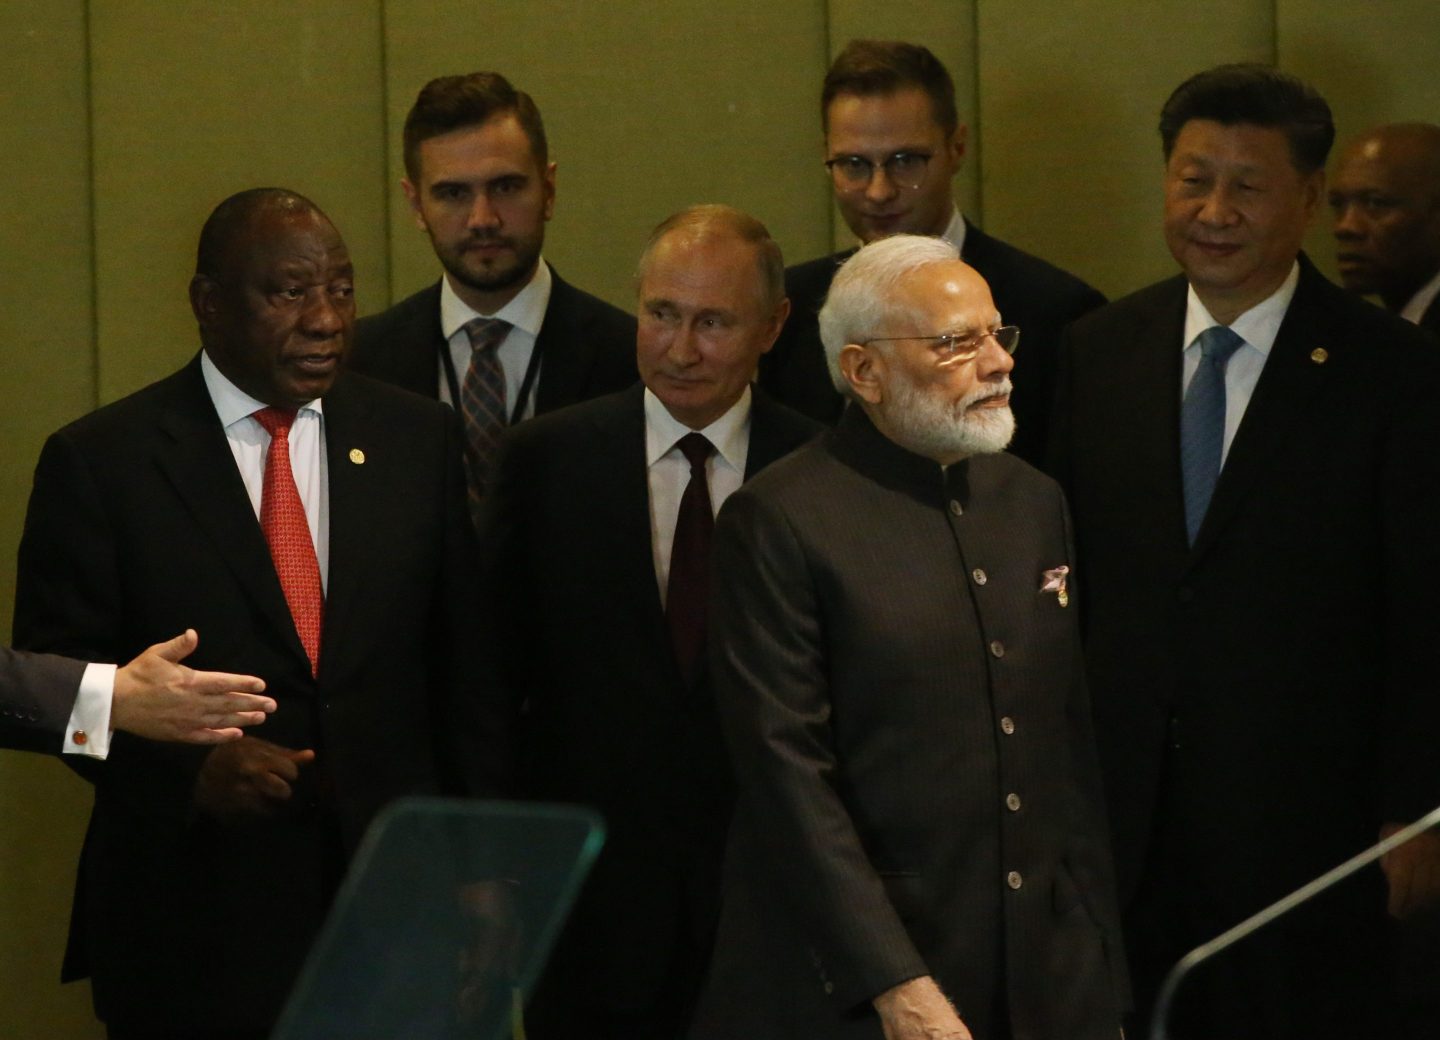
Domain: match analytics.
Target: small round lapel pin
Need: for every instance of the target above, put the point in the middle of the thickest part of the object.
(357, 456)
(1319, 355)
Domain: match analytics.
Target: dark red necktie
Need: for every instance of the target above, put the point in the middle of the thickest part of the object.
(282, 519)
(688, 591)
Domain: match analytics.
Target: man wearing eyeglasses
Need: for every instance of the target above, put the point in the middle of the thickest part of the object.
(919, 847)
(893, 145)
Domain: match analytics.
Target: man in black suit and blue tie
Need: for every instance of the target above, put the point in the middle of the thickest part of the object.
(1250, 456)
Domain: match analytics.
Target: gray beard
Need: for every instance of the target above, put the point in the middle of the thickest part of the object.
(928, 425)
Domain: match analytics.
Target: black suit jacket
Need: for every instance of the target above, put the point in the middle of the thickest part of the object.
(888, 671)
(1266, 698)
(139, 526)
(37, 693)
(587, 347)
(606, 719)
(1037, 296)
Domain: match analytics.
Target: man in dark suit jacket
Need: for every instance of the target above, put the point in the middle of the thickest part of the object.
(1386, 199)
(893, 144)
(919, 849)
(616, 714)
(481, 186)
(143, 519)
(54, 704)
(1262, 661)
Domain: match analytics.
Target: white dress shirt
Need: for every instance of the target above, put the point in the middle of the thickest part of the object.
(525, 313)
(248, 443)
(1421, 301)
(1257, 327)
(668, 471)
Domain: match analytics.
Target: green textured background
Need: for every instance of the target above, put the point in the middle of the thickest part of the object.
(124, 121)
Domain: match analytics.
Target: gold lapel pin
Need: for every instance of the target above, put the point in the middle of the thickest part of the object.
(357, 456)
(1319, 355)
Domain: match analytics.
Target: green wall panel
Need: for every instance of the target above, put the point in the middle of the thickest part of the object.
(1378, 63)
(47, 365)
(648, 108)
(1070, 93)
(190, 108)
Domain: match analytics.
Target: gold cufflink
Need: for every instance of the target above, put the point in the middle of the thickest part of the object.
(358, 457)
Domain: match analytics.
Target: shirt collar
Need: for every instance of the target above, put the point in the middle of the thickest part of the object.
(955, 230)
(1421, 301)
(231, 403)
(1258, 326)
(730, 433)
(525, 311)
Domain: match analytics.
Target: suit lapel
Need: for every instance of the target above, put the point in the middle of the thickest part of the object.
(1278, 407)
(565, 350)
(1154, 371)
(201, 468)
(349, 441)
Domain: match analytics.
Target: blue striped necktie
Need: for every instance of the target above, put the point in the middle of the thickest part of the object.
(1202, 424)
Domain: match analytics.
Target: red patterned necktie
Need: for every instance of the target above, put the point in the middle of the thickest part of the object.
(482, 399)
(688, 591)
(282, 519)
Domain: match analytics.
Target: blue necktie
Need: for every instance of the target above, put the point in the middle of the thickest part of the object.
(1202, 424)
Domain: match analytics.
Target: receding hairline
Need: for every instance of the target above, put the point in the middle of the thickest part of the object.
(237, 216)
(715, 222)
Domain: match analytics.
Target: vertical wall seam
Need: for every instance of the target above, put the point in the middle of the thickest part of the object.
(827, 9)
(88, 81)
(977, 131)
(386, 147)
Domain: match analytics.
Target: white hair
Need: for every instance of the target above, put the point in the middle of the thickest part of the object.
(859, 304)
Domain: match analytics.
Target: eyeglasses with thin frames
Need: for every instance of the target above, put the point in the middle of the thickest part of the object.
(903, 169)
(951, 348)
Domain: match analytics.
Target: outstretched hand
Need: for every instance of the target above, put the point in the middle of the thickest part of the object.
(159, 698)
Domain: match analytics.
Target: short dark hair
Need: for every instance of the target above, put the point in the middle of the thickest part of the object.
(454, 102)
(876, 67)
(231, 220)
(1259, 95)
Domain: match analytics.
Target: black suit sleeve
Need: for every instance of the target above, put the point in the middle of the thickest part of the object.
(770, 679)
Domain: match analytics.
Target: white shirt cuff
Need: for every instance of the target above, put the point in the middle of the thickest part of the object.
(88, 731)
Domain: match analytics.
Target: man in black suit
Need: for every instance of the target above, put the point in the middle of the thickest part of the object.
(480, 184)
(918, 849)
(1251, 523)
(596, 539)
(53, 704)
(351, 596)
(1386, 200)
(893, 145)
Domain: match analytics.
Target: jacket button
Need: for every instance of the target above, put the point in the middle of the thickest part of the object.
(980, 576)
(1007, 725)
(1014, 880)
(956, 508)
(997, 648)
(1012, 802)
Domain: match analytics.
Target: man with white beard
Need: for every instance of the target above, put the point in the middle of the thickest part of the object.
(919, 848)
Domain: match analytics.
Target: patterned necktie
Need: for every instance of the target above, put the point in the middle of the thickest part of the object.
(688, 590)
(482, 397)
(282, 519)
(1202, 424)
